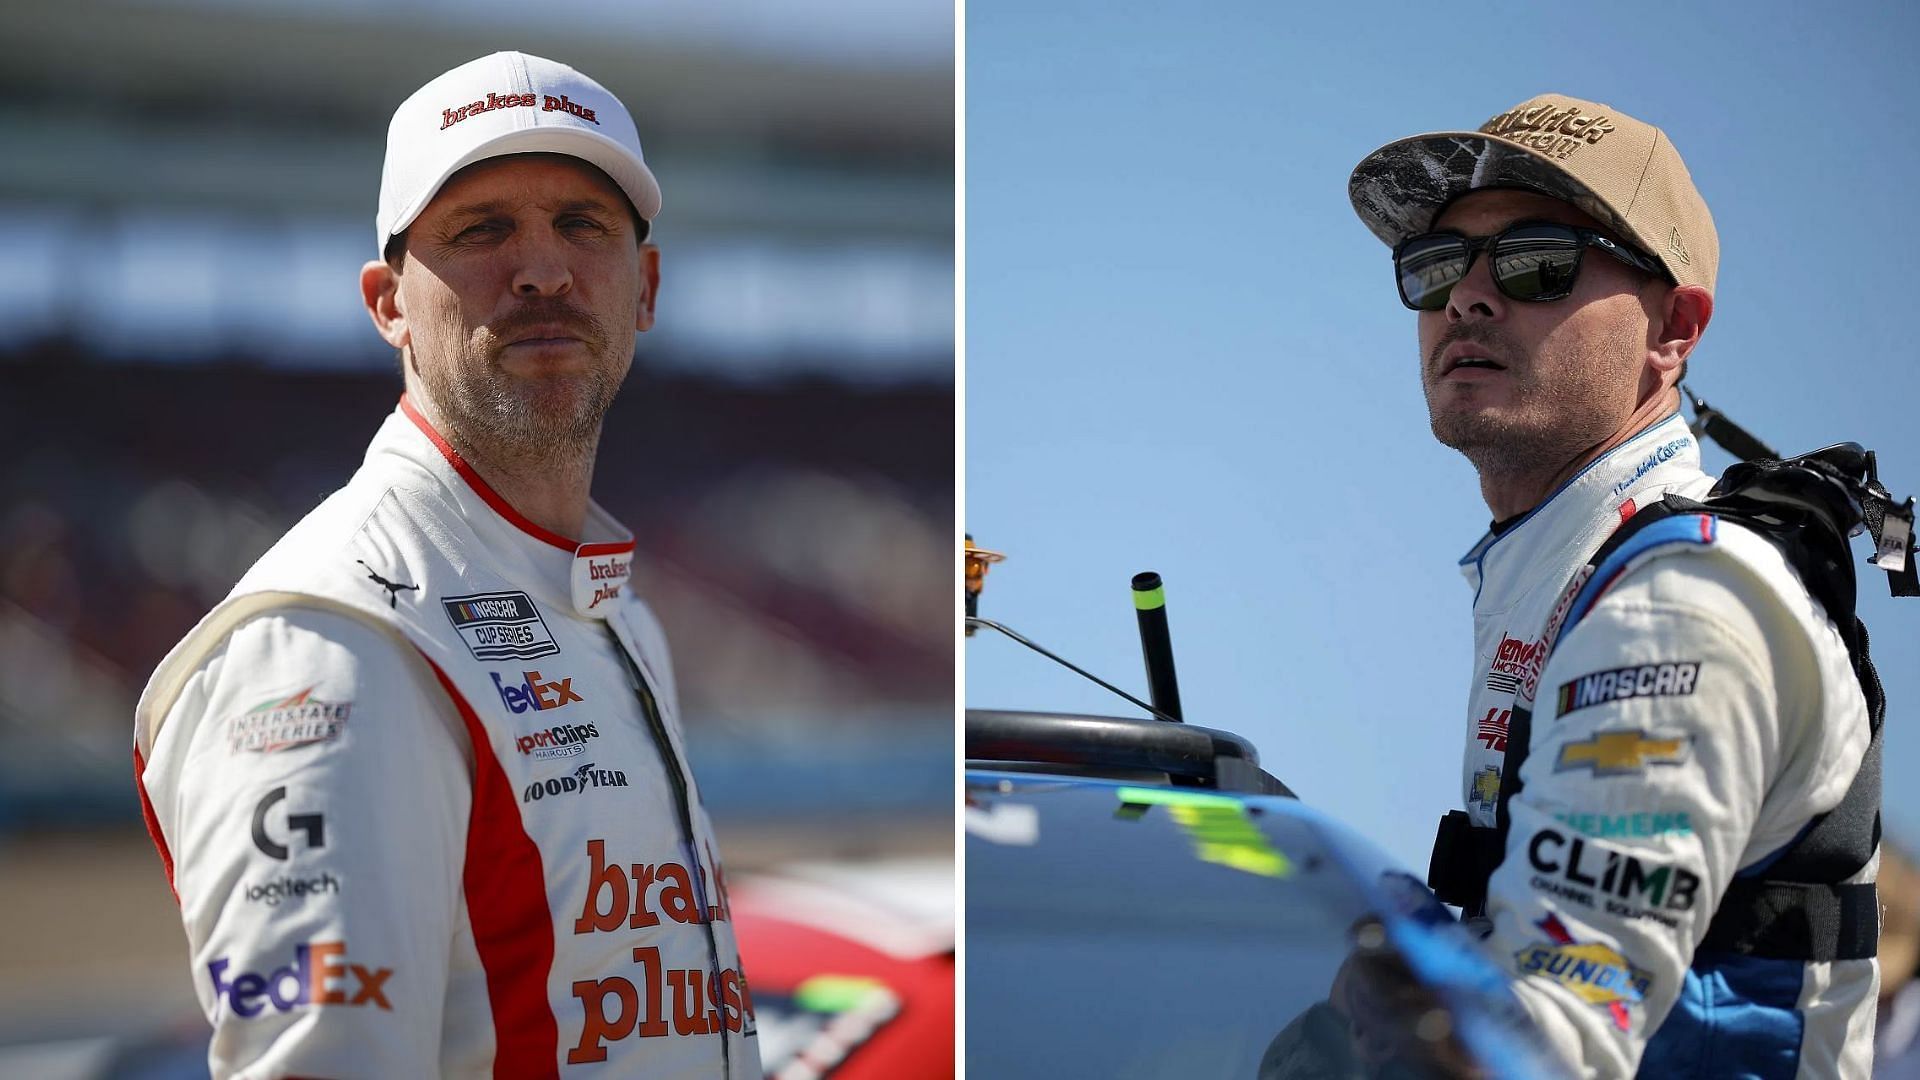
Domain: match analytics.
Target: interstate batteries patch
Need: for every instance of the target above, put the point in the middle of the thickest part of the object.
(500, 626)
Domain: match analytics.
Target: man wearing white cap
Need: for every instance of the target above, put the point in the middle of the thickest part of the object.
(1671, 784)
(419, 782)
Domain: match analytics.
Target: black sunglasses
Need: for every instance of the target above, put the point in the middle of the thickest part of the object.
(1531, 261)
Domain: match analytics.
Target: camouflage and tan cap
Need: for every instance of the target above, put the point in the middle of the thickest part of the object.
(1620, 171)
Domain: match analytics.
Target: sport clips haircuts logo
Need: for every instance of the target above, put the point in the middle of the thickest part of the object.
(284, 723)
(319, 976)
(558, 741)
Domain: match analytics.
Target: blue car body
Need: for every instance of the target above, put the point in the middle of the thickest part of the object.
(1142, 928)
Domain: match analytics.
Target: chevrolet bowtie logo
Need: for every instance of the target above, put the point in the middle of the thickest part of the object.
(1612, 753)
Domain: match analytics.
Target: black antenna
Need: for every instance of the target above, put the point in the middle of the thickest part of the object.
(1156, 644)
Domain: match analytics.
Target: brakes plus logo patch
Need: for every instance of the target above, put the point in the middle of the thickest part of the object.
(600, 573)
(1596, 973)
(282, 723)
(652, 1000)
(500, 626)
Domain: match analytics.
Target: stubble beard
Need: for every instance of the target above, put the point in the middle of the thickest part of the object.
(525, 424)
(1539, 428)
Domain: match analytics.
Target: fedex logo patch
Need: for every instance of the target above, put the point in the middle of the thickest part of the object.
(532, 693)
(318, 976)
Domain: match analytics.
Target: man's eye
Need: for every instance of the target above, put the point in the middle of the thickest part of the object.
(481, 231)
(576, 222)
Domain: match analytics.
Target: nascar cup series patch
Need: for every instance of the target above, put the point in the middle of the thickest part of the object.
(1596, 973)
(500, 626)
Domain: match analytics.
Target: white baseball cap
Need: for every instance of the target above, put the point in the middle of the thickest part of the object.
(506, 103)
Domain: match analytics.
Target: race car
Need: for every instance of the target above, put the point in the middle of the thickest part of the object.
(1143, 900)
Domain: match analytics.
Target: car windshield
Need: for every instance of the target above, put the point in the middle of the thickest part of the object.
(1121, 932)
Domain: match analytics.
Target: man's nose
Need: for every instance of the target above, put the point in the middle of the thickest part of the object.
(541, 267)
(1476, 294)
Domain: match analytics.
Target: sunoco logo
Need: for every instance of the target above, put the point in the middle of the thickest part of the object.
(583, 779)
(1597, 974)
(500, 626)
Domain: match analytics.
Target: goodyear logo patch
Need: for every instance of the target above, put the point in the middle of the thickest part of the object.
(500, 626)
(1617, 753)
(1596, 973)
(1674, 679)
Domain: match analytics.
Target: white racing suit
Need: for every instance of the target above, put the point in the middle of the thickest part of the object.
(1686, 728)
(420, 788)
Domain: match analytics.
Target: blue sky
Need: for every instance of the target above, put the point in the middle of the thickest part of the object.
(1184, 352)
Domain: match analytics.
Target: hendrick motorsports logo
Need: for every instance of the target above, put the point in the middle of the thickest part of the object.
(1596, 973)
(284, 723)
(500, 626)
(584, 778)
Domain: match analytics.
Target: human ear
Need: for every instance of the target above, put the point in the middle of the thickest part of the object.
(649, 287)
(380, 292)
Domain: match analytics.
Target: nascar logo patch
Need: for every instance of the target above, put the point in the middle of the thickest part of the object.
(500, 626)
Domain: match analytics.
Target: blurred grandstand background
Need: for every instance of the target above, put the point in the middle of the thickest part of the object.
(185, 201)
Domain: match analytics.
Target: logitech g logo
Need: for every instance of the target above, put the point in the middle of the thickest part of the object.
(313, 825)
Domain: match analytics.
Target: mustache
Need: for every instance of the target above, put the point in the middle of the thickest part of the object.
(551, 311)
(1496, 343)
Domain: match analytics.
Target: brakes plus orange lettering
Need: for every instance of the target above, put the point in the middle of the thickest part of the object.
(643, 915)
(676, 894)
(603, 876)
(597, 1029)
